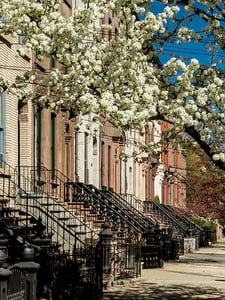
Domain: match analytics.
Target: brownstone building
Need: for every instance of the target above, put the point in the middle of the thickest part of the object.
(100, 157)
(174, 187)
(54, 133)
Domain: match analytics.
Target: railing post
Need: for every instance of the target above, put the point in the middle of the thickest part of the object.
(30, 269)
(105, 239)
(4, 275)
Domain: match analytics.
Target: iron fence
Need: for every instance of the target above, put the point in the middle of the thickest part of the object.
(125, 260)
(16, 285)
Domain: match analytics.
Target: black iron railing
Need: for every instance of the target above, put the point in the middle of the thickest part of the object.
(173, 228)
(192, 229)
(164, 216)
(133, 201)
(137, 215)
(42, 221)
(90, 204)
(62, 223)
(181, 217)
(102, 207)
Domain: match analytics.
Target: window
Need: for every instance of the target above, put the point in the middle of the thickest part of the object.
(38, 140)
(65, 70)
(38, 54)
(2, 20)
(53, 116)
(109, 171)
(52, 62)
(21, 40)
(2, 127)
(86, 141)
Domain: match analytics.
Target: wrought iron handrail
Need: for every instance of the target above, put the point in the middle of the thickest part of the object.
(98, 195)
(134, 201)
(184, 219)
(165, 215)
(23, 188)
(50, 181)
(51, 221)
(127, 210)
(136, 214)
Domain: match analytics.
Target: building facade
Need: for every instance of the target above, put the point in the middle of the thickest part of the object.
(16, 117)
(79, 149)
(174, 164)
(54, 133)
(102, 154)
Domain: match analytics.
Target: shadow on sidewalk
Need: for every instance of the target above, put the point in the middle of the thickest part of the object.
(213, 255)
(199, 258)
(147, 291)
(189, 288)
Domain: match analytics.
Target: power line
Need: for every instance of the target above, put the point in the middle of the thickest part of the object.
(187, 48)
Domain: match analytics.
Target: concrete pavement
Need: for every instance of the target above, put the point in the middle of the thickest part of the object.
(198, 275)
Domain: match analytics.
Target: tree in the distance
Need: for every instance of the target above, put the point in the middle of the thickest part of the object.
(122, 77)
(205, 187)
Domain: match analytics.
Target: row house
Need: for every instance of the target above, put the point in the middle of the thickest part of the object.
(173, 183)
(78, 148)
(109, 158)
(16, 121)
(79, 172)
(53, 133)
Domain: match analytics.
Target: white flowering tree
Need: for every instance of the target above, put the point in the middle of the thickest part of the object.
(122, 77)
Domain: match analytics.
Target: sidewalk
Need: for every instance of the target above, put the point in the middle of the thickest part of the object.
(198, 275)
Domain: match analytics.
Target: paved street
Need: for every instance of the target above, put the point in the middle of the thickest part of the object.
(198, 275)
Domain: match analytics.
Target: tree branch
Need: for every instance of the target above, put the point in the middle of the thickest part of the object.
(196, 136)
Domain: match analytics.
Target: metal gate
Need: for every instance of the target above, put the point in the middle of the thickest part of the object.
(16, 285)
(79, 277)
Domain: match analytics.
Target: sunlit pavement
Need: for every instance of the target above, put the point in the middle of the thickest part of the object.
(198, 275)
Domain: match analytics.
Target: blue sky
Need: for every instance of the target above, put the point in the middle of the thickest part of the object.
(187, 51)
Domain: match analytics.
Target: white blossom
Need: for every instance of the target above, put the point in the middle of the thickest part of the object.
(119, 77)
